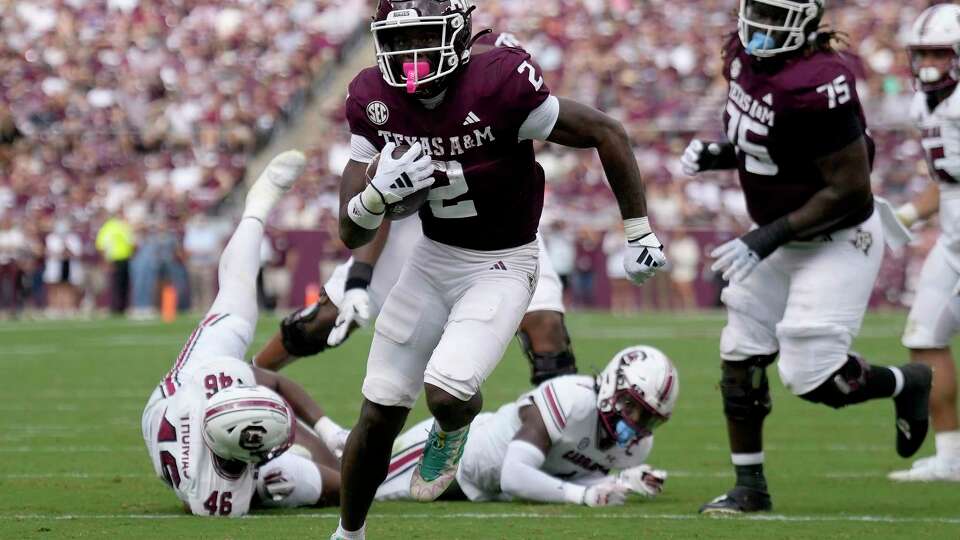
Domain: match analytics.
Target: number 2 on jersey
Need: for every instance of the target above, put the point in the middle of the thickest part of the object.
(456, 187)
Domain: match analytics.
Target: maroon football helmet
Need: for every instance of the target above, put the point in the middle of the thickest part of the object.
(420, 44)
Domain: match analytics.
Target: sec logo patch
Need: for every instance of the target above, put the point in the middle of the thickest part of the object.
(378, 113)
(735, 68)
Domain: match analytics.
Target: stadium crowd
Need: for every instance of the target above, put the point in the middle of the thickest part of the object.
(141, 109)
(148, 110)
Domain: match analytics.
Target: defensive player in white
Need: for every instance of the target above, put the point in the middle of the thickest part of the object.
(215, 428)
(931, 324)
(559, 442)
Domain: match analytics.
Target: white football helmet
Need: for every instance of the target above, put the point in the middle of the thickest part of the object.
(937, 28)
(247, 423)
(638, 375)
(771, 27)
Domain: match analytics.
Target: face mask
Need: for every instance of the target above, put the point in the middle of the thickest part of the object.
(759, 42)
(625, 433)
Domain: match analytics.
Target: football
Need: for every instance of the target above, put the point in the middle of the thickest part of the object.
(411, 203)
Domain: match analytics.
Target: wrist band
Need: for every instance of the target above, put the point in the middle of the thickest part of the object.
(359, 276)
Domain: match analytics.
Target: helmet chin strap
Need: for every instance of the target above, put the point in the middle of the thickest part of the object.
(929, 74)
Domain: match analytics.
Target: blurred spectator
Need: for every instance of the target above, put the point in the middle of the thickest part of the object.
(683, 252)
(13, 245)
(202, 243)
(622, 294)
(63, 270)
(116, 242)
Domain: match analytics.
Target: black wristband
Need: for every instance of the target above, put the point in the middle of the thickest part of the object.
(726, 159)
(764, 240)
(359, 276)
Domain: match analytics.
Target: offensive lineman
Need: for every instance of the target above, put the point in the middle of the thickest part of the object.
(936, 110)
(558, 442)
(356, 289)
(461, 295)
(799, 282)
(215, 428)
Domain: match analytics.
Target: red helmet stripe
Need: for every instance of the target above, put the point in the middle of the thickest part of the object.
(245, 403)
(667, 386)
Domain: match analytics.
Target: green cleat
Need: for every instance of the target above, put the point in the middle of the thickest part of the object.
(437, 467)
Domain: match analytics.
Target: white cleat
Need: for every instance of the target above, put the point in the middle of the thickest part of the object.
(932, 469)
(275, 181)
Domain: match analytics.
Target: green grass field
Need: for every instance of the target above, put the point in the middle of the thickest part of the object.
(72, 462)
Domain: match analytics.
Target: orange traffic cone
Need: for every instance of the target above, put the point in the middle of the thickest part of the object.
(168, 303)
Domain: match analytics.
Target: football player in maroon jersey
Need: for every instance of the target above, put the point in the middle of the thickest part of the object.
(801, 280)
(356, 289)
(470, 122)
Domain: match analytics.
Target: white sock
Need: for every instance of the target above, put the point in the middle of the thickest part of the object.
(239, 265)
(948, 444)
(747, 459)
(351, 535)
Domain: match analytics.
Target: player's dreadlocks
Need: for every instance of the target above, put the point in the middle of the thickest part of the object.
(827, 39)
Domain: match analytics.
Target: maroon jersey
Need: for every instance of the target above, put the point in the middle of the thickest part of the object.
(782, 118)
(488, 193)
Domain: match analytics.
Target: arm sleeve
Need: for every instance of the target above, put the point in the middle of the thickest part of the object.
(522, 478)
(361, 149)
(539, 123)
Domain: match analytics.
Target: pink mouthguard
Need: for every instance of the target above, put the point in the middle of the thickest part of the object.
(413, 72)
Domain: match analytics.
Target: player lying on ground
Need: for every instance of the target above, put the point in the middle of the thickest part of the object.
(559, 442)
(800, 282)
(356, 290)
(218, 430)
(469, 121)
(931, 324)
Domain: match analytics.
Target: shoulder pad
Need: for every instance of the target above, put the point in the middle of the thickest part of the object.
(565, 400)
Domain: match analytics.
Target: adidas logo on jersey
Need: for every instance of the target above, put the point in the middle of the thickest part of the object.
(499, 266)
(471, 119)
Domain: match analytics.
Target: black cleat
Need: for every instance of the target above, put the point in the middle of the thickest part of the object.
(739, 500)
(913, 408)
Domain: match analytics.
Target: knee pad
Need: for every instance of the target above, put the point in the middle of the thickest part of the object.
(545, 365)
(304, 332)
(846, 386)
(746, 389)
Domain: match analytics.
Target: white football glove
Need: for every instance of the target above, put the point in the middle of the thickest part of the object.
(278, 486)
(644, 253)
(608, 493)
(690, 161)
(354, 309)
(397, 178)
(735, 259)
(643, 479)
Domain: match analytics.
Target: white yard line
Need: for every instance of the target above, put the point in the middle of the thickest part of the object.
(513, 515)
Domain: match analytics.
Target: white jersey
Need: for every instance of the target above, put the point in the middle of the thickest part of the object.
(172, 422)
(568, 406)
(940, 131)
